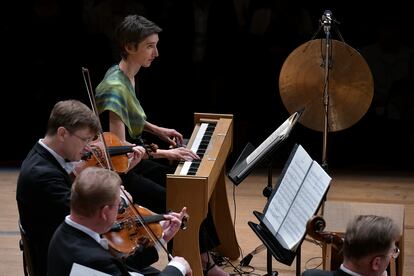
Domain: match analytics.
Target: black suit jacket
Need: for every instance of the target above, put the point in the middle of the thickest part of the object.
(70, 245)
(43, 200)
(317, 272)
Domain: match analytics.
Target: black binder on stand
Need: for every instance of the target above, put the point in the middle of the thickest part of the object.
(295, 199)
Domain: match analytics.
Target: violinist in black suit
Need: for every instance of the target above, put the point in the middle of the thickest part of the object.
(94, 208)
(368, 247)
(44, 184)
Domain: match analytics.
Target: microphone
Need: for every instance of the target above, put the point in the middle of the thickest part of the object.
(327, 18)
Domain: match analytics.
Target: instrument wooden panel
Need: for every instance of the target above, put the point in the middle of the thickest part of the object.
(205, 189)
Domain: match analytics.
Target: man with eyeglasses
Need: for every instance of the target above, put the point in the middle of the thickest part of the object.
(369, 245)
(44, 183)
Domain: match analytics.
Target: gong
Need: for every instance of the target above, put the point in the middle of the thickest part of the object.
(350, 89)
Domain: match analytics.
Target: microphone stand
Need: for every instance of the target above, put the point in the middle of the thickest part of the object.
(326, 23)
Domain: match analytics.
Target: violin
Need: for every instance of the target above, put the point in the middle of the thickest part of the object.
(116, 151)
(128, 234)
(315, 229)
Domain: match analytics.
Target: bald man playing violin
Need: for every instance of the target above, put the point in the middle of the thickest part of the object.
(94, 209)
(44, 183)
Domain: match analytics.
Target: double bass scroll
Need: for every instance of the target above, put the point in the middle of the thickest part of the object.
(332, 242)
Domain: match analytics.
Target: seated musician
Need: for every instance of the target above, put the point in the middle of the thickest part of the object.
(368, 247)
(137, 39)
(116, 99)
(44, 183)
(95, 200)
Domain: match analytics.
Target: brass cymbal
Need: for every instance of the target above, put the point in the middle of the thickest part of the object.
(351, 86)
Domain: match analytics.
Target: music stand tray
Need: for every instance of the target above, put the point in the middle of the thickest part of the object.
(280, 253)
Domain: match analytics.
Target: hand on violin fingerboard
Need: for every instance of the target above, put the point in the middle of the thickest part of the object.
(172, 223)
(126, 196)
(135, 156)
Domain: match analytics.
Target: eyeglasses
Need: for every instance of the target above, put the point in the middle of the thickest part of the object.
(86, 140)
(395, 253)
(120, 205)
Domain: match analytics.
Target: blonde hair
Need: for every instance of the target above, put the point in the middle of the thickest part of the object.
(93, 188)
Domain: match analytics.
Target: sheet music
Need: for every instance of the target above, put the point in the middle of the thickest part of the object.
(283, 129)
(296, 199)
(81, 270)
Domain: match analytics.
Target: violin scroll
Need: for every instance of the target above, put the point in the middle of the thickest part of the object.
(149, 148)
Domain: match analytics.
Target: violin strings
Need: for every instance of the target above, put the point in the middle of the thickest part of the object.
(98, 159)
(151, 233)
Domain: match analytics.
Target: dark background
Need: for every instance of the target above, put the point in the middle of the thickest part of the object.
(216, 56)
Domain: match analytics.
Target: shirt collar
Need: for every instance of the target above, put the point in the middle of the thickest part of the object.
(89, 232)
(68, 166)
(350, 272)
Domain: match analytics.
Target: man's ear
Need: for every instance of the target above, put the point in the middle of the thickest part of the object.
(61, 133)
(103, 212)
(376, 263)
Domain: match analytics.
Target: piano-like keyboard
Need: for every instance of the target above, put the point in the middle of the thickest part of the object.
(199, 146)
(200, 185)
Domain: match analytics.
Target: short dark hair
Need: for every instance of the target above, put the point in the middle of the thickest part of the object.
(72, 115)
(134, 29)
(369, 234)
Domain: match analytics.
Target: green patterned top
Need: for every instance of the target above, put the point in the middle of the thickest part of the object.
(115, 93)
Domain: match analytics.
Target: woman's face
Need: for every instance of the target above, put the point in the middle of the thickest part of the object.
(146, 51)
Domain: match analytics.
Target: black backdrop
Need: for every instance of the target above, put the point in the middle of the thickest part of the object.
(225, 61)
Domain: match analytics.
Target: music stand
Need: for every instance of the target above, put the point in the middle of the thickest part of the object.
(250, 158)
(282, 225)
